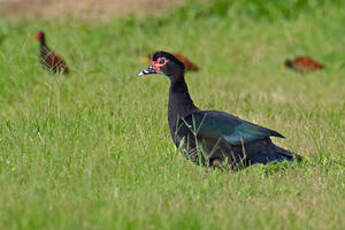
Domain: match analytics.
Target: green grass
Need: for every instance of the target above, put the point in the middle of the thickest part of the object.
(92, 150)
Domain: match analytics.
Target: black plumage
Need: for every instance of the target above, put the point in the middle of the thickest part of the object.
(212, 137)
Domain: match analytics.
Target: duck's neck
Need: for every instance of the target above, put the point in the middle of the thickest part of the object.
(180, 102)
(44, 50)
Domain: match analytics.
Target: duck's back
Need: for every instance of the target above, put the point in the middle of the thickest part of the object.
(226, 137)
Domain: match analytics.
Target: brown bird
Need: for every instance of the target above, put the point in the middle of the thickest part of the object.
(48, 58)
(303, 64)
(189, 66)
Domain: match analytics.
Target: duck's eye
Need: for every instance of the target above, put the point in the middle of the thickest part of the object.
(161, 61)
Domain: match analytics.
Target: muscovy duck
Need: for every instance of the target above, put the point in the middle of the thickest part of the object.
(212, 138)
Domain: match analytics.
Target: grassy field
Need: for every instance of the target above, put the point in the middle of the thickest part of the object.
(92, 150)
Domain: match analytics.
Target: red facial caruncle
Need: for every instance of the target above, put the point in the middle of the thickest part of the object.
(159, 63)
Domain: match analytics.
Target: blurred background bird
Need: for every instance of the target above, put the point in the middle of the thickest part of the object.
(48, 58)
(303, 64)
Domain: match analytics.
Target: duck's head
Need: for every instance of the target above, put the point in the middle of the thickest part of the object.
(288, 63)
(40, 36)
(164, 63)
